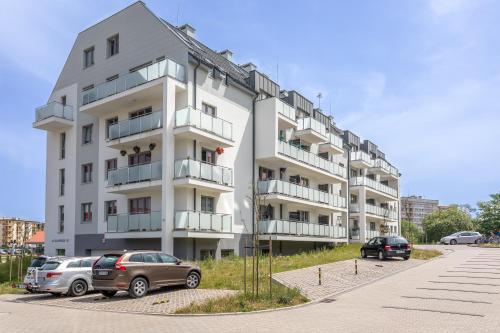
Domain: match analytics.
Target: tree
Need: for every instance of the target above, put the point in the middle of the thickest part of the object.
(411, 232)
(488, 220)
(445, 222)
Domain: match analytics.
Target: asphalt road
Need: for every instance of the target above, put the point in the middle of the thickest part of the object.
(457, 292)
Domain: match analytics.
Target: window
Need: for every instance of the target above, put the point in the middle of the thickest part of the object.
(265, 173)
(62, 181)
(266, 212)
(60, 225)
(87, 212)
(209, 109)
(207, 204)
(302, 181)
(88, 57)
(109, 166)
(110, 208)
(59, 252)
(224, 253)
(87, 134)
(299, 216)
(63, 100)
(136, 258)
(166, 259)
(323, 187)
(207, 156)
(140, 158)
(110, 122)
(207, 254)
(372, 226)
(62, 146)
(140, 205)
(87, 173)
(140, 113)
(323, 219)
(87, 263)
(151, 258)
(74, 264)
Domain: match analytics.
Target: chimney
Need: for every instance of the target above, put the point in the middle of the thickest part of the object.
(188, 30)
(249, 67)
(227, 54)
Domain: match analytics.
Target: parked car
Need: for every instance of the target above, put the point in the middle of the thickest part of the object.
(70, 276)
(462, 237)
(35, 265)
(2, 251)
(140, 271)
(387, 246)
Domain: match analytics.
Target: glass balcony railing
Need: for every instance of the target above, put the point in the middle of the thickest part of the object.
(311, 124)
(203, 221)
(301, 192)
(282, 227)
(361, 156)
(286, 110)
(204, 171)
(364, 181)
(309, 158)
(54, 109)
(375, 210)
(137, 125)
(372, 233)
(193, 117)
(131, 80)
(134, 222)
(336, 140)
(135, 174)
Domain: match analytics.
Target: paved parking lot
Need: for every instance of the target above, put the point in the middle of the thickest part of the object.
(455, 293)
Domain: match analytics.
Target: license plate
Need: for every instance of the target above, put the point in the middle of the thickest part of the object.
(102, 273)
(400, 251)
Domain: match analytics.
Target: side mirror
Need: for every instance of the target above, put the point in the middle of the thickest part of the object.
(178, 262)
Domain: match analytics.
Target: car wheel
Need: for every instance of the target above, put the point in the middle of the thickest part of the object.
(108, 293)
(138, 287)
(192, 280)
(453, 242)
(78, 288)
(363, 254)
(406, 258)
(476, 241)
(381, 255)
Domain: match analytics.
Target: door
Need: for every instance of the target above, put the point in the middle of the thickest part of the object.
(174, 273)
(154, 269)
(370, 246)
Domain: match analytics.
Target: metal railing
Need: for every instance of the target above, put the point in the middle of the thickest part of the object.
(375, 210)
(364, 181)
(361, 156)
(286, 110)
(190, 116)
(309, 158)
(203, 221)
(134, 222)
(131, 80)
(54, 109)
(137, 125)
(336, 140)
(282, 227)
(301, 192)
(205, 171)
(312, 124)
(135, 174)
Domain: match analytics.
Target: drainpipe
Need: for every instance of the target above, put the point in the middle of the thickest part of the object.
(348, 198)
(253, 162)
(194, 105)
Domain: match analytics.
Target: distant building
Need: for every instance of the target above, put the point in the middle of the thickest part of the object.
(37, 241)
(17, 230)
(415, 208)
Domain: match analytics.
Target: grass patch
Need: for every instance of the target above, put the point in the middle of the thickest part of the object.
(424, 254)
(6, 288)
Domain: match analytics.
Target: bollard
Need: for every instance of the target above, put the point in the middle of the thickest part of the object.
(355, 266)
(319, 276)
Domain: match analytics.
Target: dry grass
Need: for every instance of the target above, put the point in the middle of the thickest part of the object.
(424, 254)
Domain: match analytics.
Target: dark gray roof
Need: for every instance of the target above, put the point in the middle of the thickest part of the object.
(209, 56)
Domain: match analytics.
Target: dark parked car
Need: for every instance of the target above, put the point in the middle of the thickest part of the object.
(140, 271)
(387, 246)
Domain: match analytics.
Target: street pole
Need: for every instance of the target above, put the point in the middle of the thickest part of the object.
(245, 268)
(270, 267)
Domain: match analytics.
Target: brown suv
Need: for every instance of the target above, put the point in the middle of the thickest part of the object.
(140, 271)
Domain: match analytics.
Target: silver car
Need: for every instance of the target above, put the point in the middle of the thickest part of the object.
(462, 237)
(70, 276)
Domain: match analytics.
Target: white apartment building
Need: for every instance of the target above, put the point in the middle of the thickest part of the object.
(155, 141)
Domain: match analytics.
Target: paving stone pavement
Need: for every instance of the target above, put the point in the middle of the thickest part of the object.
(157, 302)
(340, 276)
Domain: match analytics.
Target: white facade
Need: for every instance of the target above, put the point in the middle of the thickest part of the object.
(179, 138)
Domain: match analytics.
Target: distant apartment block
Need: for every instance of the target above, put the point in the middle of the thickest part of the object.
(17, 231)
(156, 141)
(416, 208)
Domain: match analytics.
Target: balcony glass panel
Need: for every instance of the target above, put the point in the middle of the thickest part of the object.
(205, 171)
(311, 124)
(203, 221)
(364, 181)
(137, 125)
(361, 156)
(192, 117)
(336, 141)
(54, 109)
(134, 222)
(282, 227)
(286, 110)
(134, 174)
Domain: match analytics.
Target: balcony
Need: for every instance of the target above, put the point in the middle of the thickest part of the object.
(53, 116)
(310, 159)
(141, 225)
(374, 185)
(381, 167)
(301, 231)
(128, 133)
(311, 130)
(194, 174)
(195, 224)
(371, 233)
(195, 124)
(132, 80)
(379, 212)
(135, 178)
(360, 159)
(286, 115)
(289, 192)
(334, 144)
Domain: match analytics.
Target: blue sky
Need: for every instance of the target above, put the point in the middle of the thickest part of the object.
(419, 78)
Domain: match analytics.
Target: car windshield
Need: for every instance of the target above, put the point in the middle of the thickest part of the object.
(107, 261)
(50, 265)
(397, 240)
(38, 262)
